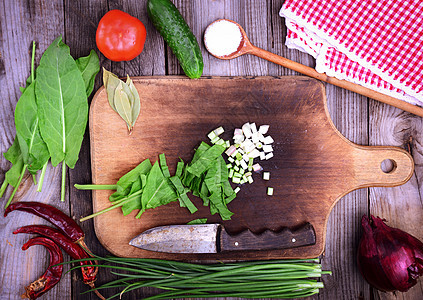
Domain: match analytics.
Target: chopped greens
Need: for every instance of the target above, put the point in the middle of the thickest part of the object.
(206, 176)
(197, 221)
(146, 186)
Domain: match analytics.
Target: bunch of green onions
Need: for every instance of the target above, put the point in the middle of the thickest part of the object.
(282, 279)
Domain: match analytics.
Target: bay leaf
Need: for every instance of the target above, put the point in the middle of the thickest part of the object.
(123, 106)
(111, 82)
(117, 94)
(136, 103)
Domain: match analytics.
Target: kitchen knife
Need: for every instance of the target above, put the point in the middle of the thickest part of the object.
(213, 238)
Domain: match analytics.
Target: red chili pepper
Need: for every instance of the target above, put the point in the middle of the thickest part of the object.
(65, 223)
(53, 273)
(74, 250)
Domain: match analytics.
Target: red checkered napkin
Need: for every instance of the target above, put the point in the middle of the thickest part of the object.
(375, 43)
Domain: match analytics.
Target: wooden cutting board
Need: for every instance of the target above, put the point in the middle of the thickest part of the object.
(312, 168)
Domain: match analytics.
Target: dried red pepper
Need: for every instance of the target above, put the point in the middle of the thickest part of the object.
(53, 273)
(66, 225)
(74, 250)
(62, 221)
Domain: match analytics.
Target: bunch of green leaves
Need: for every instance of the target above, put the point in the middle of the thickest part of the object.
(51, 115)
(148, 186)
(207, 177)
(123, 98)
(280, 279)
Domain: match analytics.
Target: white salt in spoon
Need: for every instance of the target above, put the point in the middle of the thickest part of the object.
(226, 39)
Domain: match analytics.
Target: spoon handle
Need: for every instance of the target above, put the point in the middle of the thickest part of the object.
(414, 109)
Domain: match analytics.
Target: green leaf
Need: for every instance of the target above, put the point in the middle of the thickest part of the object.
(224, 212)
(126, 182)
(163, 165)
(135, 203)
(197, 221)
(62, 103)
(182, 194)
(89, 66)
(34, 150)
(14, 155)
(157, 190)
(205, 160)
(13, 174)
(180, 168)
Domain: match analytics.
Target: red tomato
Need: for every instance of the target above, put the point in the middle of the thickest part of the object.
(120, 36)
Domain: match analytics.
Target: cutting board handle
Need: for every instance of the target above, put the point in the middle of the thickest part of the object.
(382, 166)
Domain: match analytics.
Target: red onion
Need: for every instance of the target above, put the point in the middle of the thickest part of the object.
(389, 258)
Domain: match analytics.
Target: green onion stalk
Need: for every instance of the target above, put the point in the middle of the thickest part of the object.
(283, 279)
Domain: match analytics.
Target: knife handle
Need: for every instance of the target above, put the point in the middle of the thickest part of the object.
(268, 240)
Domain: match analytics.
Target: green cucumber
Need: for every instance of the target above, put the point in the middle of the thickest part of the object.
(177, 34)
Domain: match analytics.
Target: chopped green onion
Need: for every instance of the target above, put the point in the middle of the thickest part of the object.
(221, 142)
(237, 189)
(215, 140)
(269, 191)
(250, 163)
(212, 135)
(218, 131)
(266, 175)
(231, 173)
(230, 159)
(257, 168)
(236, 179)
(230, 151)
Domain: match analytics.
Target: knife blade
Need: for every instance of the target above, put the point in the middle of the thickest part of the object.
(213, 238)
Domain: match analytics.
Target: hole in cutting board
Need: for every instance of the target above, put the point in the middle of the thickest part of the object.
(388, 166)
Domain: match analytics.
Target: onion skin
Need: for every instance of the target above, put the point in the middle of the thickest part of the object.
(389, 258)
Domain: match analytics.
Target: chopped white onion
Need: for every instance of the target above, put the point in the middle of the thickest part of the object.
(267, 148)
(263, 129)
(268, 140)
(269, 155)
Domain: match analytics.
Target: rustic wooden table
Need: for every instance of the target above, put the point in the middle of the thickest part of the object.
(361, 120)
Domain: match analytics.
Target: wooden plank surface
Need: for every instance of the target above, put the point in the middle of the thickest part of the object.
(360, 120)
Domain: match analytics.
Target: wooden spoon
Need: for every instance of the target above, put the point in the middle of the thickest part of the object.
(245, 47)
